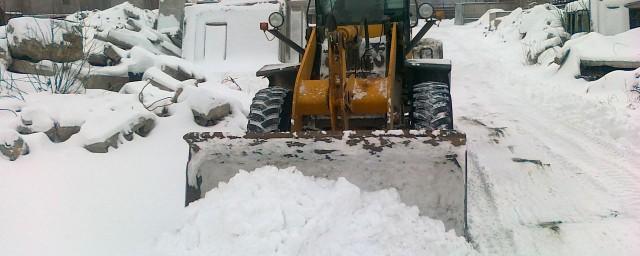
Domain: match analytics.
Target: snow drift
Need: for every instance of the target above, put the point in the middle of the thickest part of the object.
(282, 212)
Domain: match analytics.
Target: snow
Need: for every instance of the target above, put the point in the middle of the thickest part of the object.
(26, 28)
(594, 46)
(552, 159)
(8, 137)
(100, 113)
(286, 213)
(483, 21)
(201, 100)
(582, 197)
(151, 96)
(114, 17)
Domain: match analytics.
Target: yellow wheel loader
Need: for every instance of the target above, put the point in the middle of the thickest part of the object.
(358, 105)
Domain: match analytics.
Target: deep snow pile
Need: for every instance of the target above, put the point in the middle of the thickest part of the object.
(282, 212)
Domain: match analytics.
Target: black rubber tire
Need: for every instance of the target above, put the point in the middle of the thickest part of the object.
(432, 108)
(270, 111)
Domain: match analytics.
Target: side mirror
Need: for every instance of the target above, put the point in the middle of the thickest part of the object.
(413, 14)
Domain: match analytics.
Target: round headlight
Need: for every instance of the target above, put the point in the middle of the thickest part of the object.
(425, 11)
(276, 20)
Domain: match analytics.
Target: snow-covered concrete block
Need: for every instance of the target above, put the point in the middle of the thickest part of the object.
(62, 133)
(56, 134)
(35, 120)
(113, 53)
(212, 116)
(45, 39)
(126, 39)
(12, 146)
(208, 106)
(103, 146)
(105, 82)
(96, 120)
(142, 127)
(43, 68)
(98, 59)
(161, 79)
(177, 72)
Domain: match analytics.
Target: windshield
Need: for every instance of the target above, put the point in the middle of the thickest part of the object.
(356, 11)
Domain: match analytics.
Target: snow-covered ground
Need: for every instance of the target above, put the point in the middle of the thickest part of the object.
(553, 169)
(553, 164)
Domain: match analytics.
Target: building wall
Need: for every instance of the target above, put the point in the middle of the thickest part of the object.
(30, 7)
(610, 17)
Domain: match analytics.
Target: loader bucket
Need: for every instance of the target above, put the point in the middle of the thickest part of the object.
(427, 169)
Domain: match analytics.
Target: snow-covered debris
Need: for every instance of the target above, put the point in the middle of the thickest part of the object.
(139, 60)
(541, 28)
(161, 79)
(125, 26)
(114, 18)
(42, 68)
(85, 119)
(538, 29)
(509, 28)
(45, 39)
(153, 98)
(541, 22)
(550, 55)
(12, 146)
(282, 212)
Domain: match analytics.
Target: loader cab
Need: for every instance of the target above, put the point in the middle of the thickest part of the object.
(357, 12)
(352, 12)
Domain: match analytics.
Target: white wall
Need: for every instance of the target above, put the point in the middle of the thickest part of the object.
(247, 46)
(610, 17)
